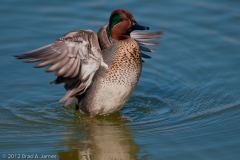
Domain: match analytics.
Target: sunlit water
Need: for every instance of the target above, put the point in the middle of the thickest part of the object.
(186, 104)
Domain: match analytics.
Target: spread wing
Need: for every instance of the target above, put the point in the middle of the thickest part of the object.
(75, 58)
(146, 39)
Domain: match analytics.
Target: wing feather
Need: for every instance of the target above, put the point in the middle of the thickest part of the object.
(145, 39)
(75, 58)
(62, 71)
(57, 63)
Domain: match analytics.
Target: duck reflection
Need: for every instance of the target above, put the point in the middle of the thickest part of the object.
(105, 138)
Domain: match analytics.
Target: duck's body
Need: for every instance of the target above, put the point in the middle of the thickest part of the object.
(100, 71)
(111, 88)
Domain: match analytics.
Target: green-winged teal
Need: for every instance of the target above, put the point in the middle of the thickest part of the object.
(100, 71)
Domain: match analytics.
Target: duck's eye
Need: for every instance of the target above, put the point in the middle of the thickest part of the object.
(120, 19)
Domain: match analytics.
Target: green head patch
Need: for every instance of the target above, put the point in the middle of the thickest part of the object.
(115, 19)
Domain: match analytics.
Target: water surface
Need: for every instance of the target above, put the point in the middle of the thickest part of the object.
(186, 104)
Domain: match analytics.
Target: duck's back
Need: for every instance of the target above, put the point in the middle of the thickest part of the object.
(111, 88)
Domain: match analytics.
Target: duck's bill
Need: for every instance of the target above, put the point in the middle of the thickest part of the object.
(136, 26)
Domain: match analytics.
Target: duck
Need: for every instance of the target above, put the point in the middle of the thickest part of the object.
(99, 70)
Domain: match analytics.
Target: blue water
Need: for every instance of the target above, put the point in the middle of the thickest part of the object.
(186, 104)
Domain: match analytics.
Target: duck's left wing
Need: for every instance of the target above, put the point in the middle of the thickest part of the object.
(145, 39)
(75, 58)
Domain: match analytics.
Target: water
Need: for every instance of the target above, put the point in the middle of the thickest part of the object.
(186, 104)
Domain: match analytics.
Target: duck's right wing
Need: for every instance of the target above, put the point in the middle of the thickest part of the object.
(75, 58)
(145, 39)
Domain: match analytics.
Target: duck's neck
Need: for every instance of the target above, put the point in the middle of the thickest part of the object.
(120, 36)
(104, 37)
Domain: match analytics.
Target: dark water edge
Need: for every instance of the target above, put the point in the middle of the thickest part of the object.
(186, 104)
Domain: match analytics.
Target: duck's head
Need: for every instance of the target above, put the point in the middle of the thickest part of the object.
(122, 23)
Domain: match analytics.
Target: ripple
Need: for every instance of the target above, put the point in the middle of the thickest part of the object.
(178, 105)
(163, 121)
(41, 111)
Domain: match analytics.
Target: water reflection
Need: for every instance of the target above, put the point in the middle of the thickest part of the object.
(105, 138)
